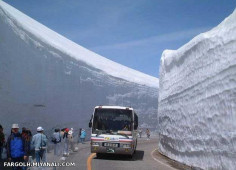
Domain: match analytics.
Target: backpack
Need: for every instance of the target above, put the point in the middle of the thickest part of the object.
(54, 140)
(59, 139)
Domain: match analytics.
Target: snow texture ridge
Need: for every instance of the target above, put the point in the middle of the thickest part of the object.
(74, 50)
(47, 80)
(197, 99)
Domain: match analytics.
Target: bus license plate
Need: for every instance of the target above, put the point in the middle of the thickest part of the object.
(111, 145)
(110, 150)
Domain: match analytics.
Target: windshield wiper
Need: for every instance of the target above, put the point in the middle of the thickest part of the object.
(99, 132)
(122, 134)
(110, 132)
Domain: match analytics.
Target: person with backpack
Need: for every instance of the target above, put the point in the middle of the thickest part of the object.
(17, 147)
(39, 142)
(56, 139)
(82, 136)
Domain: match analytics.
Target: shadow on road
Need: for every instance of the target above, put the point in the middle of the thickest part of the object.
(136, 157)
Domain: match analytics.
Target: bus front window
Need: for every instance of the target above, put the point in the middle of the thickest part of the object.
(112, 120)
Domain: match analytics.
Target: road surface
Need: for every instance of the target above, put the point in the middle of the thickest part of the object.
(145, 158)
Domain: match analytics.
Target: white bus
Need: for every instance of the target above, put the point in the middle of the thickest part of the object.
(114, 130)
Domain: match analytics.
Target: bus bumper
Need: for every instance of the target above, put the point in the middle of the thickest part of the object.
(111, 150)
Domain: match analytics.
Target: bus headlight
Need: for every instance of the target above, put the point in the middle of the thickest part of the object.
(95, 144)
(126, 145)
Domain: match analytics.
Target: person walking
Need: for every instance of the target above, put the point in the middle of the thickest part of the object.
(66, 142)
(140, 133)
(2, 141)
(80, 130)
(26, 134)
(71, 140)
(148, 134)
(17, 148)
(56, 139)
(82, 136)
(39, 142)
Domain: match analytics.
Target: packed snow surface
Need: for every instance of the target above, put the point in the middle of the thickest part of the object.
(74, 50)
(47, 80)
(197, 99)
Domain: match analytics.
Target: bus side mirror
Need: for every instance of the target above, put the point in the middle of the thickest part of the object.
(90, 122)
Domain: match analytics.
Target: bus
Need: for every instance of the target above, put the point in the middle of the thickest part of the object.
(114, 130)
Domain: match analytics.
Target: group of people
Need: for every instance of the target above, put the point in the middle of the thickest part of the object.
(147, 133)
(18, 146)
(66, 135)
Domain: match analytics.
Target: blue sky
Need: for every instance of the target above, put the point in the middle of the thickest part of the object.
(131, 32)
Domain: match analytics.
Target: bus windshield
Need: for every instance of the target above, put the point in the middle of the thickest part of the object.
(111, 120)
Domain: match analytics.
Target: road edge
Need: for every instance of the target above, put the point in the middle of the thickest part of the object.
(153, 157)
(171, 163)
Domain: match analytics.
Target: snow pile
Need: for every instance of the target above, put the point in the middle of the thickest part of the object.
(70, 48)
(197, 99)
(48, 80)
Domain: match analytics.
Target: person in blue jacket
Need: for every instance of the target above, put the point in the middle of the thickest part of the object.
(82, 136)
(17, 147)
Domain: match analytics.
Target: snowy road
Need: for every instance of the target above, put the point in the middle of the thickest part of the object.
(144, 159)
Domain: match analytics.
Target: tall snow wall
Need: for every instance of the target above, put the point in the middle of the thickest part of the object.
(197, 99)
(47, 80)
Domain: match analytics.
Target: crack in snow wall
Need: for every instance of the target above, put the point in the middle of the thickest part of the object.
(197, 99)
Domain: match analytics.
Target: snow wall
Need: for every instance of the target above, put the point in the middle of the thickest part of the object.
(43, 84)
(197, 99)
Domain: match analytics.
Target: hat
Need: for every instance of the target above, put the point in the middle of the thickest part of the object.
(67, 130)
(39, 129)
(15, 126)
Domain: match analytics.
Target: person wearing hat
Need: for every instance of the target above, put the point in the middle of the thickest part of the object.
(17, 147)
(39, 142)
(71, 140)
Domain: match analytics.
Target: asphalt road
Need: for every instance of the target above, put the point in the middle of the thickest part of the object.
(142, 159)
